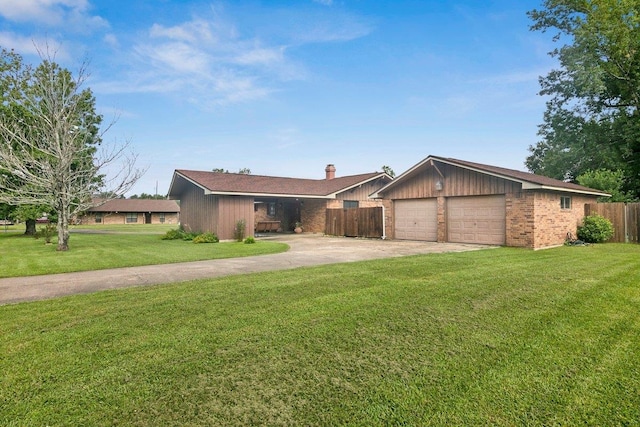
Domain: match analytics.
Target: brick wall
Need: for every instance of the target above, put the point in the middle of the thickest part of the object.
(313, 216)
(552, 222)
(535, 219)
(520, 219)
(121, 218)
(442, 219)
(388, 217)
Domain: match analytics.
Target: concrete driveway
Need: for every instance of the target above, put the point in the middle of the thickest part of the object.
(306, 250)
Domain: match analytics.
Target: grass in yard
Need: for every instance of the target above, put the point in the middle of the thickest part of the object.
(26, 256)
(499, 337)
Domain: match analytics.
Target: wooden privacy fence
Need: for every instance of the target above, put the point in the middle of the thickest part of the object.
(359, 222)
(625, 218)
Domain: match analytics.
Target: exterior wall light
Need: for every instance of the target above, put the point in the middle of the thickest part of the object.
(439, 185)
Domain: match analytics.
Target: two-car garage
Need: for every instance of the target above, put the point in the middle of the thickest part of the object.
(475, 219)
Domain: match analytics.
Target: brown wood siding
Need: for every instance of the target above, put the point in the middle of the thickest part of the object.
(362, 192)
(231, 209)
(198, 212)
(456, 182)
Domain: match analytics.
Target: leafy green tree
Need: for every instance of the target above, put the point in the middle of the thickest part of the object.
(242, 171)
(6, 211)
(148, 196)
(29, 214)
(52, 152)
(387, 169)
(592, 119)
(606, 180)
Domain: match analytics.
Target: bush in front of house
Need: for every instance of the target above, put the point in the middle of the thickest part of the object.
(179, 234)
(175, 234)
(239, 230)
(249, 240)
(595, 229)
(206, 238)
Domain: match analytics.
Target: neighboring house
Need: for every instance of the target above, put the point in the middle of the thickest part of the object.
(448, 200)
(132, 211)
(215, 202)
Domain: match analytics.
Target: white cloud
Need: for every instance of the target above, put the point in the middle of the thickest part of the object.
(206, 62)
(112, 40)
(331, 27)
(192, 32)
(264, 56)
(209, 61)
(33, 45)
(70, 14)
(176, 57)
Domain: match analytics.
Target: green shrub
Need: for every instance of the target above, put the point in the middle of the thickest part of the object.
(206, 238)
(173, 234)
(189, 235)
(595, 229)
(238, 232)
(249, 240)
(179, 234)
(47, 232)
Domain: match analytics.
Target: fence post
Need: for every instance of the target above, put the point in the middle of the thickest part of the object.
(626, 227)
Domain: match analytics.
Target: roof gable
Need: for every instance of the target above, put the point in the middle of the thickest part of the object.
(528, 180)
(259, 185)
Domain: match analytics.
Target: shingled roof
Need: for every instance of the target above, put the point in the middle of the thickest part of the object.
(136, 205)
(258, 185)
(528, 180)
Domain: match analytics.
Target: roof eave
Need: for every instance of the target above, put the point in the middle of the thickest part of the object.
(251, 194)
(177, 173)
(532, 186)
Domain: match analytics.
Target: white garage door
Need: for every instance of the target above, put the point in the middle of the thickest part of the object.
(479, 219)
(416, 219)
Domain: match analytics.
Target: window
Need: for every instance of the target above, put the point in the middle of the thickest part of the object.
(565, 202)
(271, 209)
(99, 218)
(350, 204)
(132, 217)
(161, 216)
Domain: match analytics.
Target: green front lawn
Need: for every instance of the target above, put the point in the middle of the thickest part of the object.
(26, 256)
(499, 337)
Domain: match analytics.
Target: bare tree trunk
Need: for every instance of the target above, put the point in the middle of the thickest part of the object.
(30, 229)
(63, 229)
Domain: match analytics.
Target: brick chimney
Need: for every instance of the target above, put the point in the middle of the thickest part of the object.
(331, 171)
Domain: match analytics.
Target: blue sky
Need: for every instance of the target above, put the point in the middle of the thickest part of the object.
(286, 87)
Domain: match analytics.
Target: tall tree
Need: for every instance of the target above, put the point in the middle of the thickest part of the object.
(606, 180)
(592, 119)
(52, 152)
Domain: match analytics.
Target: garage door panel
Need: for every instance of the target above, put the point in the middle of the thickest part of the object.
(478, 219)
(416, 219)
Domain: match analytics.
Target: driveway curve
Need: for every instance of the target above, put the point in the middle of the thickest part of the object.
(305, 250)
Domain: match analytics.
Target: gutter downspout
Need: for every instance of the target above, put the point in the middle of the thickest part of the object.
(384, 225)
